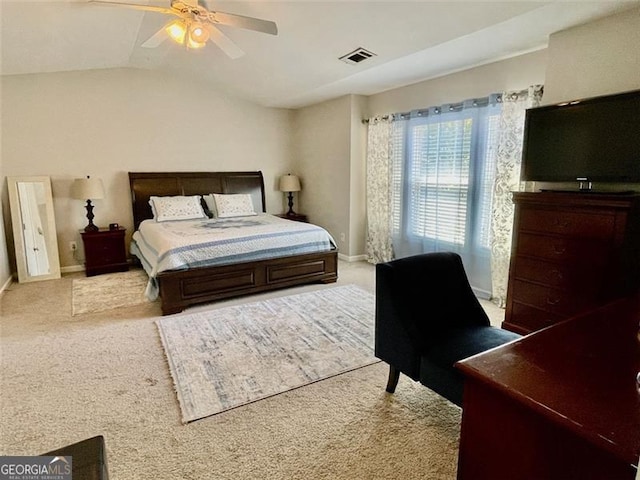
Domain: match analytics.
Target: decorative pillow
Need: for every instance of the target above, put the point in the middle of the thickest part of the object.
(176, 208)
(211, 204)
(233, 205)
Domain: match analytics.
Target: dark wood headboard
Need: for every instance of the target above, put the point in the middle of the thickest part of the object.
(145, 184)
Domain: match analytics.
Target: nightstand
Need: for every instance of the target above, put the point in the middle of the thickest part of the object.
(104, 251)
(296, 217)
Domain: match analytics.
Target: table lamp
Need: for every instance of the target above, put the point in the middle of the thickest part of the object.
(290, 183)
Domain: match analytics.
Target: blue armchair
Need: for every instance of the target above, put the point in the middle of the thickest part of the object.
(428, 318)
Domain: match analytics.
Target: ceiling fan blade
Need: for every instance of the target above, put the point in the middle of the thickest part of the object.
(156, 39)
(224, 42)
(191, 3)
(148, 8)
(248, 23)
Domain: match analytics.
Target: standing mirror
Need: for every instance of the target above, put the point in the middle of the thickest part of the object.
(34, 228)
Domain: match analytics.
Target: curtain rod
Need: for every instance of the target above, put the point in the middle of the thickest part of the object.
(451, 105)
(383, 117)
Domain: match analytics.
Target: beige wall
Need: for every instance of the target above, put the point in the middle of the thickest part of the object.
(322, 139)
(358, 177)
(598, 58)
(330, 142)
(514, 73)
(105, 123)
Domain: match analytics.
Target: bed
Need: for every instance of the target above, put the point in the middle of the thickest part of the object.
(181, 288)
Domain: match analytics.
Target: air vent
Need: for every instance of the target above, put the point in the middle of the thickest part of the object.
(357, 56)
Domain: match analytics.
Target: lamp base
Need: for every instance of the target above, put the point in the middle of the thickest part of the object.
(291, 213)
(91, 227)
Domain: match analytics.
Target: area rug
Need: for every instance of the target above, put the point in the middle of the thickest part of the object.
(222, 359)
(105, 292)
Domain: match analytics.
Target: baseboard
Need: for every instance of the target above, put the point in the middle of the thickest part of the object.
(481, 293)
(72, 269)
(7, 284)
(354, 258)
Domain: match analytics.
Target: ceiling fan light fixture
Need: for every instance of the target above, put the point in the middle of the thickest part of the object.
(196, 25)
(177, 30)
(197, 35)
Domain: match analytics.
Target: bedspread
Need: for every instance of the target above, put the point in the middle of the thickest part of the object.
(183, 244)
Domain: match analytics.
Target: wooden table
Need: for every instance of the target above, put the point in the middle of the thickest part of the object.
(561, 403)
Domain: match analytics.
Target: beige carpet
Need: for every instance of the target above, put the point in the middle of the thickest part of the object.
(66, 378)
(224, 358)
(109, 291)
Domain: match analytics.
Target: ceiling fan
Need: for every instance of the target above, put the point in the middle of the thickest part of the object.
(196, 24)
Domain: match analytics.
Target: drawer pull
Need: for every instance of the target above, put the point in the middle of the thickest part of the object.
(558, 250)
(557, 274)
(553, 301)
(561, 223)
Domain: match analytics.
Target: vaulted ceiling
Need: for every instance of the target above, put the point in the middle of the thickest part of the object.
(412, 40)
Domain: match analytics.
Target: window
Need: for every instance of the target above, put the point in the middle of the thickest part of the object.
(443, 169)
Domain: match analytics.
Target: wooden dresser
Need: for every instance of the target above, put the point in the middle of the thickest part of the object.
(571, 252)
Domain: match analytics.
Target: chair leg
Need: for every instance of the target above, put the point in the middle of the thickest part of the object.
(394, 376)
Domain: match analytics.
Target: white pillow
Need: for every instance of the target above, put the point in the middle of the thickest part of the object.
(176, 208)
(233, 205)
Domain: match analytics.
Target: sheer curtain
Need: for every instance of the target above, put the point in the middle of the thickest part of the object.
(508, 162)
(378, 246)
(443, 163)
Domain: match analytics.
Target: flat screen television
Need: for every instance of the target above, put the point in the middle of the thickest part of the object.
(597, 139)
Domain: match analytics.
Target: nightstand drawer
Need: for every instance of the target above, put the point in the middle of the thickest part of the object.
(569, 223)
(104, 251)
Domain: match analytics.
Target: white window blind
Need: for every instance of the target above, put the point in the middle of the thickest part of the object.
(439, 180)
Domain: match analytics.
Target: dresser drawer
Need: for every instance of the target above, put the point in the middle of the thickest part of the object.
(528, 319)
(552, 300)
(569, 223)
(564, 249)
(585, 277)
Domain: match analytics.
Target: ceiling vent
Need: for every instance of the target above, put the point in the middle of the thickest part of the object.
(357, 56)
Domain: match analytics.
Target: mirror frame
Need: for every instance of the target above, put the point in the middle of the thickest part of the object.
(18, 239)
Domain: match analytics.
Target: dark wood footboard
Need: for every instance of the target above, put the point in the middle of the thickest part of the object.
(182, 288)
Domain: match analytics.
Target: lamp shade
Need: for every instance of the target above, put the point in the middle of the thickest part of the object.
(289, 183)
(87, 189)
